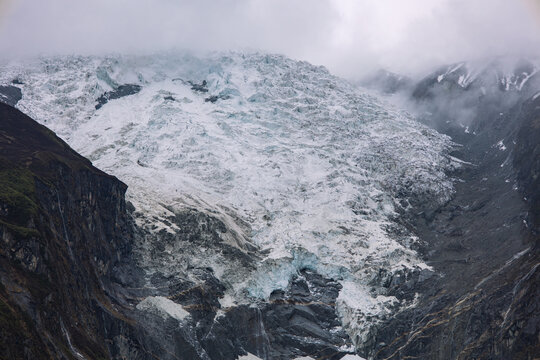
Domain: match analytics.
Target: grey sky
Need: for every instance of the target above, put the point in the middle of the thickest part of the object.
(351, 37)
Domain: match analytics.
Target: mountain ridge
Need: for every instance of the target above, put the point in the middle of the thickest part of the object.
(489, 229)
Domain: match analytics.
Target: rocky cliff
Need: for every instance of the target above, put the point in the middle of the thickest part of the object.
(64, 228)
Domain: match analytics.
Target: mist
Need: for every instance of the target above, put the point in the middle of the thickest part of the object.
(350, 37)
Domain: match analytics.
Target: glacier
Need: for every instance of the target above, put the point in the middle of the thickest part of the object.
(303, 169)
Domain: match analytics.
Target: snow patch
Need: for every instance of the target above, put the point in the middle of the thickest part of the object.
(356, 306)
(352, 357)
(163, 307)
(525, 78)
(249, 356)
(227, 301)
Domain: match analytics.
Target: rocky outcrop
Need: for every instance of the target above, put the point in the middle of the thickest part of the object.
(118, 93)
(299, 321)
(10, 94)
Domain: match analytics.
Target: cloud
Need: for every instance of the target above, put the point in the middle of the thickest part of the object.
(351, 37)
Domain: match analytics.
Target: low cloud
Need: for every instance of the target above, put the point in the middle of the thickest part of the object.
(351, 37)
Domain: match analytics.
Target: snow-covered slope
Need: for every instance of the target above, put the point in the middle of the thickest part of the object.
(304, 170)
(504, 74)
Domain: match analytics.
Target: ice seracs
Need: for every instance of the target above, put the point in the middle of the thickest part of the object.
(301, 168)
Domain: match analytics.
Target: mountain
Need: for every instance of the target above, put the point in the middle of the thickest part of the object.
(273, 211)
(485, 240)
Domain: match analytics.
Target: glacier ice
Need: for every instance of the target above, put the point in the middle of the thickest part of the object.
(298, 164)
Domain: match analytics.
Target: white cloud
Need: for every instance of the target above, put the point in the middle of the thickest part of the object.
(351, 37)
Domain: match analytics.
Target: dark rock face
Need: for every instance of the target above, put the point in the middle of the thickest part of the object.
(498, 319)
(120, 92)
(484, 242)
(300, 321)
(10, 94)
(527, 158)
(304, 318)
(64, 228)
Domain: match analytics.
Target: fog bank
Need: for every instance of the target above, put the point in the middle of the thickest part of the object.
(350, 37)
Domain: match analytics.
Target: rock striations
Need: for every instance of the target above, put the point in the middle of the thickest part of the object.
(64, 228)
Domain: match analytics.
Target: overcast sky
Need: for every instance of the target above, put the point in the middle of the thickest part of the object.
(351, 37)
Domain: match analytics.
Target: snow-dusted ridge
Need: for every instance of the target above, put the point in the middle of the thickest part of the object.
(506, 73)
(294, 161)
